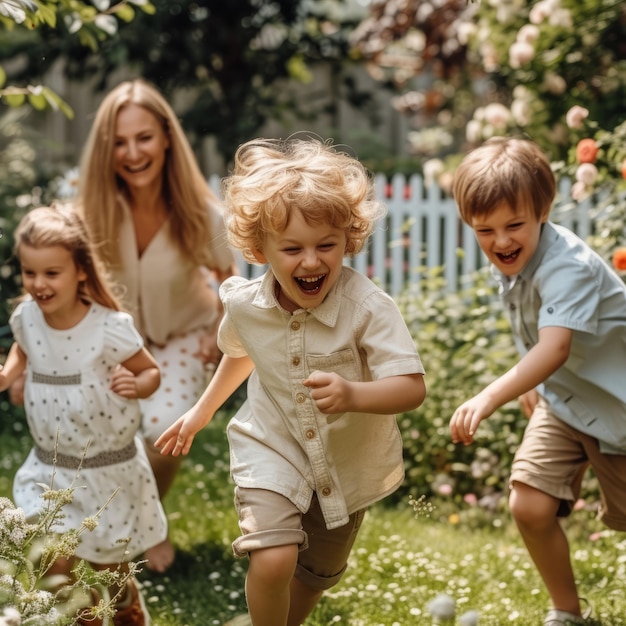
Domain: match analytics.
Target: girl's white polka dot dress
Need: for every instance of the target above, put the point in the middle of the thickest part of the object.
(72, 413)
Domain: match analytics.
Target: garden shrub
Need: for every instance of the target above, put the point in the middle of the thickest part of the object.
(465, 342)
(20, 190)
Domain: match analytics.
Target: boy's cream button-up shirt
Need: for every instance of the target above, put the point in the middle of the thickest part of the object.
(279, 440)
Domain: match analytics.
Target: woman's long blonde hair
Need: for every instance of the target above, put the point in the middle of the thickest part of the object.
(55, 226)
(186, 190)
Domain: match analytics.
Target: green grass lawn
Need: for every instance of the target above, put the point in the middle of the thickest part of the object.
(399, 564)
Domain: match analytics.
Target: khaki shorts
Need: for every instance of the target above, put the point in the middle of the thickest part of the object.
(268, 519)
(553, 458)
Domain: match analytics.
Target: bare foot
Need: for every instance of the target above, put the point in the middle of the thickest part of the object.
(160, 557)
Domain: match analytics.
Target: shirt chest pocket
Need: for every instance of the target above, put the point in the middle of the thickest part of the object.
(343, 363)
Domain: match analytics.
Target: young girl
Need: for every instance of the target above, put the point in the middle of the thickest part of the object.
(85, 368)
(317, 442)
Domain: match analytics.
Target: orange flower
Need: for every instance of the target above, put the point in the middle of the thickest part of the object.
(624, 168)
(619, 259)
(586, 151)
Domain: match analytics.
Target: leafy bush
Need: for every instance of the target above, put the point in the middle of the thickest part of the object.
(465, 342)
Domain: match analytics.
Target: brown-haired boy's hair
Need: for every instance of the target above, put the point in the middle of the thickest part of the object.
(504, 170)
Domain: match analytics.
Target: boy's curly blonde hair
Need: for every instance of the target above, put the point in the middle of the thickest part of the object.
(274, 177)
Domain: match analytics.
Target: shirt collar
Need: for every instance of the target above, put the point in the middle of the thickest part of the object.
(327, 312)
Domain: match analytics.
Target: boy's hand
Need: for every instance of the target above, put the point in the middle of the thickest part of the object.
(177, 439)
(124, 383)
(468, 416)
(331, 392)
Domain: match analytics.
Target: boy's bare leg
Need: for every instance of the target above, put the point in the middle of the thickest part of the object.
(268, 584)
(535, 515)
(303, 601)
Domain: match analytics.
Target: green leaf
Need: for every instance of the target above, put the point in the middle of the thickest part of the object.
(14, 99)
(148, 8)
(48, 15)
(37, 101)
(88, 40)
(57, 103)
(126, 13)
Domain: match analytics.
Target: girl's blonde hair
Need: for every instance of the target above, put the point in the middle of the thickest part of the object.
(504, 169)
(55, 226)
(273, 177)
(186, 190)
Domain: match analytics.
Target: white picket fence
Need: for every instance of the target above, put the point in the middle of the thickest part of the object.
(422, 230)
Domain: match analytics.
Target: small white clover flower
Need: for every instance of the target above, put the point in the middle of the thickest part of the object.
(442, 607)
(469, 618)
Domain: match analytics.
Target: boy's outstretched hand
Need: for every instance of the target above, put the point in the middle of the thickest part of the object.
(177, 439)
(468, 416)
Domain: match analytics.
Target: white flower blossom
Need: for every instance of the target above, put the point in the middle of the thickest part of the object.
(587, 173)
(107, 23)
(497, 115)
(538, 13)
(521, 112)
(473, 131)
(520, 53)
(575, 116)
(579, 191)
(528, 33)
(432, 168)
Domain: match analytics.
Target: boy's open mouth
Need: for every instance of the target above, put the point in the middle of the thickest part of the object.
(509, 257)
(311, 285)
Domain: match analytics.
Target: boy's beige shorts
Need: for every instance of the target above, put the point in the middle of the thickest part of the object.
(553, 457)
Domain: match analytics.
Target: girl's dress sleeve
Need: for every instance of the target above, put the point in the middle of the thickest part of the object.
(121, 339)
(16, 323)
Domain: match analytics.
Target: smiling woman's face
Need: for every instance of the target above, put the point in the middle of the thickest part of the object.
(141, 144)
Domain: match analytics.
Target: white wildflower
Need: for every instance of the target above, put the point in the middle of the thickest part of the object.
(469, 618)
(442, 607)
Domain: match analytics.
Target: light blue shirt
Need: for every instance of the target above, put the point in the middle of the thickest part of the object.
(567, 284)
(279, 440)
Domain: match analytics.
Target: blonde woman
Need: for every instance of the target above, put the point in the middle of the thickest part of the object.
(158, 228)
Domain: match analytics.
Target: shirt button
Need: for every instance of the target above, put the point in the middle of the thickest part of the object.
(295, 325)
(295, 360)
(325, 491)
(310, 434)
(300, 398)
